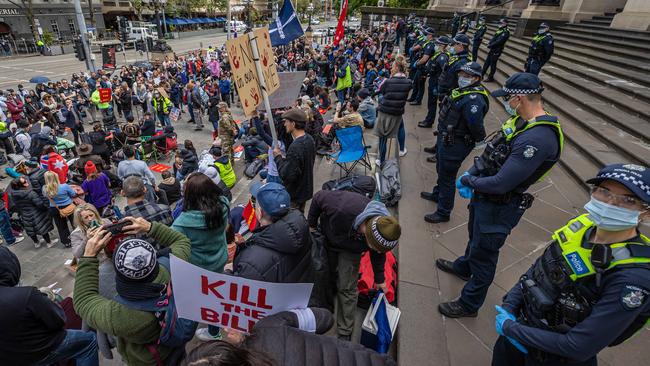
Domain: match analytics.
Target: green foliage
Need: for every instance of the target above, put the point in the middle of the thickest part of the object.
(354, 5)
(48, 37)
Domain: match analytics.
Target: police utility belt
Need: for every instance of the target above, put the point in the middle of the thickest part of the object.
(450, 118)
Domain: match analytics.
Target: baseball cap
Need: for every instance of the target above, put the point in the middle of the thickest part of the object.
(634, 177)
(272, 197)
(520, 83)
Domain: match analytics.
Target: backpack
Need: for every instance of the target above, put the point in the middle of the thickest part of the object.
(174, 331)
(366, 280)
(322, 294)
(254, 167)
(390, 189)
(361, 184)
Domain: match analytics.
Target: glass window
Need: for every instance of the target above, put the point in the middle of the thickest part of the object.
(72, 26)
(55, 28)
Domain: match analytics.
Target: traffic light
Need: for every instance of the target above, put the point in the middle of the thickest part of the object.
(150, 43)
(124, 35)
(79, 51)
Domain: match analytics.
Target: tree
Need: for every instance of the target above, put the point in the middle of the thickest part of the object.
(138, 6)
(28, 8)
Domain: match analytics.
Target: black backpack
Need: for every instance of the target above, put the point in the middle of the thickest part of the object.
(361, 184)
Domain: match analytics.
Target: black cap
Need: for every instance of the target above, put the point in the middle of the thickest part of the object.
(462, 39)
(520, 83)
(472, 68)
(363, 93)
(429, 31)
(443, 40)
(634, 177)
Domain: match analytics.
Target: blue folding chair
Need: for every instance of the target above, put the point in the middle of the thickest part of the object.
(353, 150)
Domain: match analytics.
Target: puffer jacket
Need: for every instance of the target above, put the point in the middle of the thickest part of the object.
(395, 91)
(279, 252)
(33, 212)
(281, 337)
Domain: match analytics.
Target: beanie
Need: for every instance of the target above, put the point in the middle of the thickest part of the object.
(382, 233)
(136, 267)
(90, 168)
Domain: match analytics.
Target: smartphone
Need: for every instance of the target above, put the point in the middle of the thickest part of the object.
(94, 224)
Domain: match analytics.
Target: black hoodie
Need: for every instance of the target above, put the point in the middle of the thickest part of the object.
(31, 325)
(279, 252)
(190, 162)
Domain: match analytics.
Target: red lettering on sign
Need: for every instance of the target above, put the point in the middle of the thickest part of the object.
(209, 315)
(212, 287)
(234, 324)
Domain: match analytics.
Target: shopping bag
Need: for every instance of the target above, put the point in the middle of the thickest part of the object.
(379, 325)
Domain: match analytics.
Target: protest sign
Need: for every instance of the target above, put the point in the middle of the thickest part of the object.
(228, 301)
(241, 60)
(174, 113)
(290, 91)
(104, 95)
(267, 59)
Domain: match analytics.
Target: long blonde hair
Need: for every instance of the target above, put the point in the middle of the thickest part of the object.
(51, 184)
(78, 222)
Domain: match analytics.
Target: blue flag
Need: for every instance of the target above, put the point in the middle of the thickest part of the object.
(286, 26)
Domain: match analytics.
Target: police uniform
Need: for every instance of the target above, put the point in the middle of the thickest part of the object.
(464, 27)
(460, 126)
(496, 45)
(455, 23)
(449, 76)
(434, 68)
(580, 297)
(522, 153)
(481, 28)
(428, 49)
(540, 51)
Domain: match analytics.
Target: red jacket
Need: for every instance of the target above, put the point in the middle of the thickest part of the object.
(15, 107)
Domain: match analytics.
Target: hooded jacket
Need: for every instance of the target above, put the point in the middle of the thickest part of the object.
(33, 212)
(190, 163)
(279, 252)
(32, 325)
(209, 246)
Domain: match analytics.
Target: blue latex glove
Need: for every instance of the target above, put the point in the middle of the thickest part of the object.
(501, 318)
(466, 192)
(460, 185)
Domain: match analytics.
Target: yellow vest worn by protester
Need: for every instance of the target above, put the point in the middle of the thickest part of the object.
(345, 82)
(227, 173)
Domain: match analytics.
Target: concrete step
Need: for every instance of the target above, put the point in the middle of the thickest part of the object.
(631, 71)
(623, 33)
(639, 46)
(585, 70)
(597, 21)
(590, 129)
(609, 54)
(609, 17)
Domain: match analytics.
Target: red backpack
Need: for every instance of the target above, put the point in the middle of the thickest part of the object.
(367, 279)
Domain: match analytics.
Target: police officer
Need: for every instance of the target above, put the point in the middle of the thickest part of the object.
(455, 23)
(460, 126)
(590, 288)
(540, 51)
(458, 56)
(434, 68)
(525, 149)
(496, 45)
(424, 53)
(481, 28)
(464, 26)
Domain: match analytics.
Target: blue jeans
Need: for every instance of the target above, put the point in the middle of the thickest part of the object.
(5, 227)
(191, 110)
(164, 119)
(340, 95)
(401, 141)
(488, 227)
(77, 345)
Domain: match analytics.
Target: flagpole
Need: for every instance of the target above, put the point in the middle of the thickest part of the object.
(228, 25)
(265, 95)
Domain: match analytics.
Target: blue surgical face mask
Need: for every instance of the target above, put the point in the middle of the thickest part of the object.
(436, 48)
(511, 111)
(452, 51)
(542, 30)
(464, 82)
(612, 218)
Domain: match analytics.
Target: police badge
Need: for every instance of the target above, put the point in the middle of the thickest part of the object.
(530, 151)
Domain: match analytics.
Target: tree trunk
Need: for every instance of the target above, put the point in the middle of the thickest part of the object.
(29, 12)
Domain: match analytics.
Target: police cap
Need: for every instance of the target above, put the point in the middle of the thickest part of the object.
(634, 177)
(520, 83)
(429, 31)
(443, 40)
(462, 39)
(472, 68)
(543, 25)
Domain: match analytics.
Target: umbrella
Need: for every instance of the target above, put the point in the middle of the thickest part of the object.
(39, 79)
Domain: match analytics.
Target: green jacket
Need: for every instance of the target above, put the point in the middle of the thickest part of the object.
(134, 329)
(209, 247)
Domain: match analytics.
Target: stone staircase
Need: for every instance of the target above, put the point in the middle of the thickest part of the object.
(598, 83)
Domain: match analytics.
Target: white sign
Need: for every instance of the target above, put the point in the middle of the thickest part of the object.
(40, 30)
(228, 301)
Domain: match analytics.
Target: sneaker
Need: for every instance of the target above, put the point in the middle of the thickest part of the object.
(39, 243)
(402, 153)
(53, 243)
(18, 240)
(205, 336)
(378, 162)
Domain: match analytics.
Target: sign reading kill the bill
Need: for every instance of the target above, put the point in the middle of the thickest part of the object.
(244, 72)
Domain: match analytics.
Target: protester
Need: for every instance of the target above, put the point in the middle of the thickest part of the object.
(171, 186)
(61, 205)
(134, 190)
(97, 186)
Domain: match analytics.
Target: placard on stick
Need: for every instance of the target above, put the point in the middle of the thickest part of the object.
(241, 60)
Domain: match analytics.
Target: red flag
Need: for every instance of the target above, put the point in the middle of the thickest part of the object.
(58, 165)
(340, 30)
(249, 215)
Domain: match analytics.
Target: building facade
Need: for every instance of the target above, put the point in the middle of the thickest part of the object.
(50, 16)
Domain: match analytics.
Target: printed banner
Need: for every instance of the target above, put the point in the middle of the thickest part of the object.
(228, 301)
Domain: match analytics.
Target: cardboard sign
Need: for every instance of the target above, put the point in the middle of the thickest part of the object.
(267, 59)
(228, 301)
(244, 74)
(290, 91)
(104, 95)
(174, 113)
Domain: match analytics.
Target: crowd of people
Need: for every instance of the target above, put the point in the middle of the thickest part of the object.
(75, 149)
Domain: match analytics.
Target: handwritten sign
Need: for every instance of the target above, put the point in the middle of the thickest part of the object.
(244, 74)
(228, 301)
(267, 59)
(104, 95)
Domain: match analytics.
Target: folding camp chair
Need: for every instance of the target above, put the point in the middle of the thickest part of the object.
(353, 150)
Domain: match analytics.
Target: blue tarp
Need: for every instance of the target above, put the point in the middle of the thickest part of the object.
(204, 20)
(220, 19)
(176, 21)
(190, 20)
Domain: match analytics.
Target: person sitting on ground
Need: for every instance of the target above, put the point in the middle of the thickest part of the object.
(148, 127)
(85, 152)
(223, 166)
(137, 206)
(274, 339)
(23, 139)
(253, 145)
(203, 221)
(171, 186)
(279, 249)
(136, 331)
(353, 224)
(97, 187)
(367, 108)
(207, 167)
(132, 130)
(132, 167)
(33, 326)
(189, 164)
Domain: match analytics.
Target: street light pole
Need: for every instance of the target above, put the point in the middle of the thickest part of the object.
(163, 3)
(83, 34)
(228, 24)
